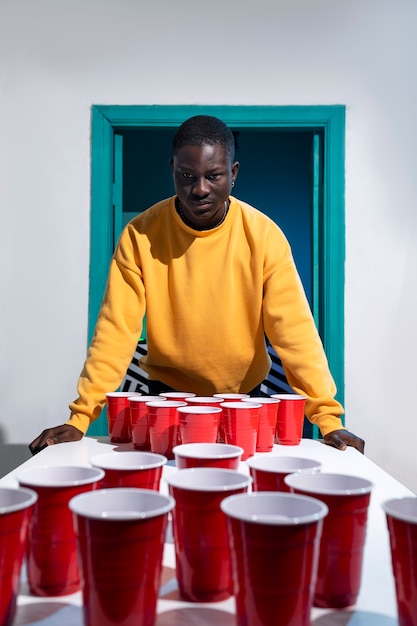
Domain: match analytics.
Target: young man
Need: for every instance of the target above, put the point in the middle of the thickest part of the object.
(215, 276)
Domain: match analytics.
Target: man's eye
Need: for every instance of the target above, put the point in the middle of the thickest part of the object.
(187, 175)
(214, 176)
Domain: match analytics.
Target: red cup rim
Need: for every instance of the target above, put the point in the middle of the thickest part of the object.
(88, 504)
(142, 460)
(241, 405)
(231, 396)
(320, 483)
(193, 451)
(278, 464)
(404, 509)
(177, 394)
(166, 403)
(145, 399)
(13, 500)
(262, 400)
(199, 410)
(35, 476)
(218, 479)
(288, 396)
(230, 506)
(210, 399)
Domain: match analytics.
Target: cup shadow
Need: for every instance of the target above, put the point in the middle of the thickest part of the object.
(46, 613)
(354, 618)
(190, 616)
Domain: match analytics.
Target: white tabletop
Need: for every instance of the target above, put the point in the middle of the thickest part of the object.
(376, 603)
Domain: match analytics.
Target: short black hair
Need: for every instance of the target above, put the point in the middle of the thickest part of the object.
(204, 129)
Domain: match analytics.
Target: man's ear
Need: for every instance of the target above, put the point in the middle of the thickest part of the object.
(235, 170)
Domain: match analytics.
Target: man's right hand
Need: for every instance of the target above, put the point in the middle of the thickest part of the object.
(58, 434)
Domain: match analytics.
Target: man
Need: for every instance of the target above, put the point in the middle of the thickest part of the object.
(214, 276)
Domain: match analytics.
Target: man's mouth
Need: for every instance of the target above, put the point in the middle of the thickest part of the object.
(201, 207)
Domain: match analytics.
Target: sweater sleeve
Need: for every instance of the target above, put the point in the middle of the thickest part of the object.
(290, 327)
(115, 337)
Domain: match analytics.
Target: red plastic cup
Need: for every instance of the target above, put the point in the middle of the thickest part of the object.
(121, 534)
(401, 516)
(139, 421)
(344, 533)
(130, 469)
(199, 424)
(16, 508)
(240, 420)
(274, 543)
(200, 530)
(177, 396)
(207, 455)
(164, 426)
(268, 472)
(227, 397)
(267, 422)
(51, 556)
(290, 418)
(118, 416)
(210, 401)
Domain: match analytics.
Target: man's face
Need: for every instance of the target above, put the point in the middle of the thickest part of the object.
(203, 178)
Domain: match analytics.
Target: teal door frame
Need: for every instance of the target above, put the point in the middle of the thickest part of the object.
(329, 244)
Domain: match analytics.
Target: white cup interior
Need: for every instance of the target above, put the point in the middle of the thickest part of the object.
(404, 509)
(208, 399)
(145, 398)
(12, 500)
(288, 396)
(208, 479)
(283, 464)
(121, 504)
(262, 400)
(199, 410)
(59, 476)
(207, 451)
(166, 403)
(332, 484)
(280, 509)
(177, 394)
(128, 460)
(231, 396)
(241, 405)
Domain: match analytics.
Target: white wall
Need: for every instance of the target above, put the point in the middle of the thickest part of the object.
(57, 58)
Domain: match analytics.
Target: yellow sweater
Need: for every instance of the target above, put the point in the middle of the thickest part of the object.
(211, 296)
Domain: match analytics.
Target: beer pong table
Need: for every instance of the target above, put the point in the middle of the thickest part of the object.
(376, 604)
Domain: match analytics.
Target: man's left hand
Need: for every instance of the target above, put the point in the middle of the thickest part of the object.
(340, 439)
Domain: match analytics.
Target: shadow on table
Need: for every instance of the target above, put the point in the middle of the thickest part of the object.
(12, 455)
(48, 613)
(354, 618)
(195, 616)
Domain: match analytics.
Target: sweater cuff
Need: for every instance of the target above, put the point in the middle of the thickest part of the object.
(80, 421)
(329, 423)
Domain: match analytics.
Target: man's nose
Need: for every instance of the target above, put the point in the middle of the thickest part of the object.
(201, 187)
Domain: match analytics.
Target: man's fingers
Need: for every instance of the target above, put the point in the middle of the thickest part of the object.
(340, 439)
(335, 441)
(51, 436)
(37, 448)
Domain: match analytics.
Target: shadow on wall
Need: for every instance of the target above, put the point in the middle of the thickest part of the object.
(11, 454)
